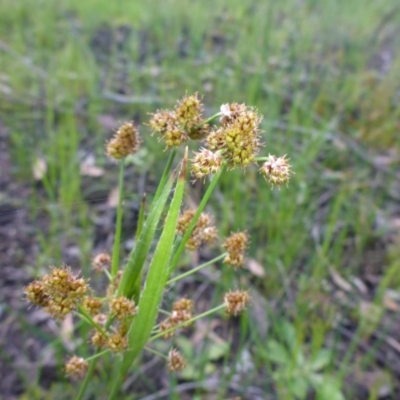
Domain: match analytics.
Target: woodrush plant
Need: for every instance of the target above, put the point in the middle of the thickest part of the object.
(125, 318)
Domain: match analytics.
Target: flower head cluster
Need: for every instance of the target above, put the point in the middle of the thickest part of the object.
(58, 292)
(205, 162)
(175, 361)
(76, 367)
(236, 302)
(101, 262)
(235, 245)
(185, 121)
(117, 342)
(203, 232)
(92, 305)
(238, 138)
(181, 312)
(276, 170)
(126, 141)
(121, 307)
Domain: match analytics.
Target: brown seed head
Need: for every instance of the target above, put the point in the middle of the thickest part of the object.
(36, 294)
(92, 305)
(235, 245)
(76, 367)
(126, 141)
(276, 170)
(181, 312)
(183, 305)
(204, 163)
(117, 343)
(229, 112)
(101, 262)
(202, 232)
(98, 340)
(175, 361)
(121, 307)
(58, 292)
(236, 302)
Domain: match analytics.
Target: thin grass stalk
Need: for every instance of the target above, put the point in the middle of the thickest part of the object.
(118, 226)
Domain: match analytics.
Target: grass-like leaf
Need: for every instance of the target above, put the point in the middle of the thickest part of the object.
(154, 286)
(133, 271)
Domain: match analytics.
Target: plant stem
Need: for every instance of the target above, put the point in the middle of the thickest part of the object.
(165, 175)
(194, 270)
(97, 355)
(117, 238)
(84, 314)
(157, 353)
(86, 381)
(209, 119)
(205, 314)
(200, 209)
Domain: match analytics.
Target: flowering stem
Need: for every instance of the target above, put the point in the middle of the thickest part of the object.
(157, 353)
(84, 314)
(200, 209)
(205, 314)
(141, 217)
(117, 238)
(165, 175)
(192, 271)
(209, 119)
(97, 355)
(87, 379)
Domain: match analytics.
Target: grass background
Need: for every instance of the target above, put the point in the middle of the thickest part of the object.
(325, 75)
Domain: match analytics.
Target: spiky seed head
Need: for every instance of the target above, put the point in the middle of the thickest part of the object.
(235, 302)
(202, 232)
(183, 305)
(188, 112)
(126, 141)
(98, 340)
(76, 367)
(205, 162)
(36, 294)
(117, 343)
(101, 262)
(58, 292)
(121, 307)
(235, 245)
(229, 112)
(92, 305)
(176, 361)
(276, 170)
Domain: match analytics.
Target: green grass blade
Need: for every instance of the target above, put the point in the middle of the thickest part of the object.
(155, 283)
(132, 273)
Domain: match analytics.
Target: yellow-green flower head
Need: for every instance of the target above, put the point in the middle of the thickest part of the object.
(126, 141)
(276, 170)
(184, 122)
(239, 137)
(188, 112)
(205, 162)
(229, 112)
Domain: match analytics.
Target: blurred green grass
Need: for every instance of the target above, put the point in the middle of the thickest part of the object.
(324, 74)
